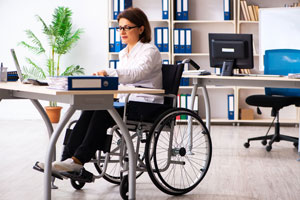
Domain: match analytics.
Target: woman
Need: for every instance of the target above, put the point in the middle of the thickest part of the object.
(140, 65)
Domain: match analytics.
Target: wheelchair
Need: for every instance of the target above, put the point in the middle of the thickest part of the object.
(172, 144)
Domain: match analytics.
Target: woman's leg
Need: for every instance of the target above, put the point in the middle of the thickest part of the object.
(78, 134)
(95, 136)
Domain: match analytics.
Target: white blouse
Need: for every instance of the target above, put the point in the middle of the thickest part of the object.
(140, 67)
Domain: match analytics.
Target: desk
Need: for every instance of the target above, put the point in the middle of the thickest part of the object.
(203, 81)
(78, 100)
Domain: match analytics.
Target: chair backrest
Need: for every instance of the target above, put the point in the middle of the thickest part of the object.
(282, 62)
(171, 75)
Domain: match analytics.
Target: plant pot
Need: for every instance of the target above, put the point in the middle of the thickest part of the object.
(53, 113)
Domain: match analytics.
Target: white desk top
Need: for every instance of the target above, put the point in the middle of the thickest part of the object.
(17, 86)
(281, 82)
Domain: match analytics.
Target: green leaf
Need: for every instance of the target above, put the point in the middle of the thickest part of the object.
(73, 70)
(37, 46)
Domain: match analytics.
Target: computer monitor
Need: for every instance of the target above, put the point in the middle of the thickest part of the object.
(230, 51)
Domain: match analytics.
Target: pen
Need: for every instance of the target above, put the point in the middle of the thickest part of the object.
(1, 66)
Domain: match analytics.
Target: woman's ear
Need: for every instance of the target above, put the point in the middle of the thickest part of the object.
(141, 30)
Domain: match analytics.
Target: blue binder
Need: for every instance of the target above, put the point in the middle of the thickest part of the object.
(165, 39)
(165, 9)
(185, 9)
(226, 9)
(230, 102)
(188, 40)
(123, 45)
(166, 62)
(118, 43)
(124, 4)
(111, 64)
(176, 40)
(116, 9)
(92, 83)
(178, 7)
(158, 38)
(182, 41)
(111, 39)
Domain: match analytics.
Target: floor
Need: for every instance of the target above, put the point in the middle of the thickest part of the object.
(235, 173)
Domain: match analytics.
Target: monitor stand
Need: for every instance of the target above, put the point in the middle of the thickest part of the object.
(227, 68)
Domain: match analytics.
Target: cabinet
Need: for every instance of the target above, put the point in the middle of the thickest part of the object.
(208, 17)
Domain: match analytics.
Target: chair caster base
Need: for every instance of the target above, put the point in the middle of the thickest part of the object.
(268, 148)
(247, 145)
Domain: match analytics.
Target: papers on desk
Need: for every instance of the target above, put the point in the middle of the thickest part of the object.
(297, 76)
(83, 83)
(196, 72)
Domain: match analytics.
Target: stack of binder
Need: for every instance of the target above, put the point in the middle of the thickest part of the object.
(119, 6)
(161, 38)
(182, 40)
(115, 44)
(184, 81)
(182, 9)
(12, 76)
(184, 101)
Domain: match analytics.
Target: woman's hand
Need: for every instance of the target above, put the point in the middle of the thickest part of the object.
(100, 73)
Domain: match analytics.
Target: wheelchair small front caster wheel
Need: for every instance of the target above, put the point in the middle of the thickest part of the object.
(77, 185)
(295, 144)
(264, 142)
(124, 188)
(268, 148)
(246, 145)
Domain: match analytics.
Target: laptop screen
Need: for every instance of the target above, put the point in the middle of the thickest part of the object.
(13, 53)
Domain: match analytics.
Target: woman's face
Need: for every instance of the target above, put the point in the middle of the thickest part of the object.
(129, 36)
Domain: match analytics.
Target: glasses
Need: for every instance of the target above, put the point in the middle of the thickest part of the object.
(126, 28)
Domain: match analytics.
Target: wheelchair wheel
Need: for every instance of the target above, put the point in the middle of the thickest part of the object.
(176, 160)
(112, 173)
(77, 185)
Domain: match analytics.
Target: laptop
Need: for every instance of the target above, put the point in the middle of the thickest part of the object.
(19, 72)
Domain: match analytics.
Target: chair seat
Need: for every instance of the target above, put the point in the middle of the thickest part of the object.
(276, 102)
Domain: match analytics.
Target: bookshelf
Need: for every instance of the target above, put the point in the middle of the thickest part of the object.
(208, 17)
(153, 10)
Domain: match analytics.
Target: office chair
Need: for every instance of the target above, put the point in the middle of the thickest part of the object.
(279, 62)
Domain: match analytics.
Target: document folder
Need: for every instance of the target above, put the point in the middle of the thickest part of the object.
(92, 83)
(226, 8)
(165, 9)
(230, 107)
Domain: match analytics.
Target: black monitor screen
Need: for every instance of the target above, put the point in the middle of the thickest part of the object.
(230, 51)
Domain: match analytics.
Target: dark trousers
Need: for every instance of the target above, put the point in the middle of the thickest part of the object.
(89, 134)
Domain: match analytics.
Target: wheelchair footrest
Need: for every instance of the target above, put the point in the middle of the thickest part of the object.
(54, 174)
(81, 176)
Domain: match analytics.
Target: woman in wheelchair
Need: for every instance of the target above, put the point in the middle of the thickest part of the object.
(140, 65)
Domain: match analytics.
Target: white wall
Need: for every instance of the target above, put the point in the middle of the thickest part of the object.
(18, 15)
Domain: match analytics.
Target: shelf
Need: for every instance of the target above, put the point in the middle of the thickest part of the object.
(191, 54)
(202, 22)
(209, 87)
(248, 22)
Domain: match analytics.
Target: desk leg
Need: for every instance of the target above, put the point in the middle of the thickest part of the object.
(207, 107)
(50, 152)
(132, 160)
(299, 144)
(49, 126)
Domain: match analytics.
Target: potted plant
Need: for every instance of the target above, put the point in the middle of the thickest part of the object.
(61, 38)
